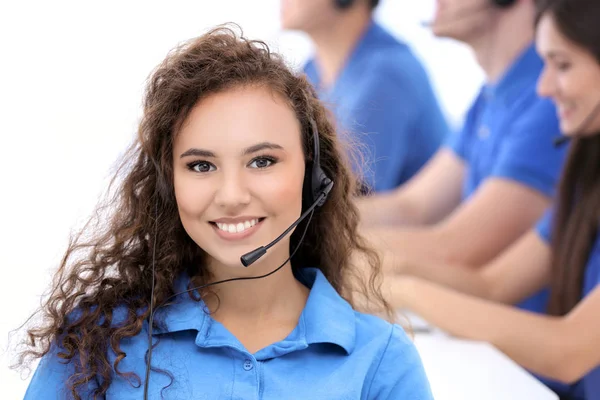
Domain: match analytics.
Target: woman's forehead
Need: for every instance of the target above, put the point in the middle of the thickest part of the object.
(239, 118)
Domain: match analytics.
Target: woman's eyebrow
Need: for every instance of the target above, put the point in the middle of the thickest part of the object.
(261, 146)
(197, 153)
(249, 150)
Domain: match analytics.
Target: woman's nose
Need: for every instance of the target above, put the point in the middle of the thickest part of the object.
(233, 192)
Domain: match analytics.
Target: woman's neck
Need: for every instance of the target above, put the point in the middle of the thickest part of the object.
(275, 296)
(259, 312)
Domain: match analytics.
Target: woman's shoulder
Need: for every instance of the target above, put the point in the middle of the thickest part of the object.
(373, 329)
(399, 371)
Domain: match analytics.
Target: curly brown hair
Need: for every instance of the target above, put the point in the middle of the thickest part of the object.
(109, 263)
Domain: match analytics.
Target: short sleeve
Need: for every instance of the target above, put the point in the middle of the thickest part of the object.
(397, 117)
(400, 374)
(384, 121)
(544, 226)
(529, 155)
(459, 142)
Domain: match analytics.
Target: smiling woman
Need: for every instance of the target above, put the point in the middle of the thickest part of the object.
(239, 175)
(229, 149)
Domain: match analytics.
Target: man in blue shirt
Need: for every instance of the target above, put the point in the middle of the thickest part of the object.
(377, 89)
(333, 353)
(492, 180)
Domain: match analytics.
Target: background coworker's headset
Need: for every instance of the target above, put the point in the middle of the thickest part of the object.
(316, 188)
(345, 4)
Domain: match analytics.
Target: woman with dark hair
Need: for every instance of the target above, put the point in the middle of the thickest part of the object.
(151, 299)
(563, 252)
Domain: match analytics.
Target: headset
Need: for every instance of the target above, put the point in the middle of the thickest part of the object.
(503, 3)
(315, 190)
(345, 4)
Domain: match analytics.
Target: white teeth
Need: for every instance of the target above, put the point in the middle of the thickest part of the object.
(237, 228)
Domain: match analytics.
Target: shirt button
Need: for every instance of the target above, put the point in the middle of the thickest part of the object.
(248, 365)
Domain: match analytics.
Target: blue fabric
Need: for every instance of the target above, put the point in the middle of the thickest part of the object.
(508, 133)
(383, 99)
(589, 387)
(333, 353)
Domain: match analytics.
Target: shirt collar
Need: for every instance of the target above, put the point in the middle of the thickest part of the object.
(374, 36)
(523, 73)
(183, 313)
(326, 318)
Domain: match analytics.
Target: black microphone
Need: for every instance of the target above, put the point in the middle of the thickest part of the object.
(459, 14)
(251, 257)
(562, 139)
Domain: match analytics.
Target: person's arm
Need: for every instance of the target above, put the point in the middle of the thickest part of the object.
(480, 229)
(427, 198)
(523, 268)
(522, 181)
(560, 348)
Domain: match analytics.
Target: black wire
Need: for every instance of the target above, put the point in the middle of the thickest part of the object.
(152, 311)
(151, 321)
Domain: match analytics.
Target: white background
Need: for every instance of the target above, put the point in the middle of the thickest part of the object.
(71, 81)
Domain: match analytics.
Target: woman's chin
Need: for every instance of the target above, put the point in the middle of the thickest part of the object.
(232, 264)
(568, 129)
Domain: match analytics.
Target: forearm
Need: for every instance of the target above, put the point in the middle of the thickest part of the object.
(464, 280)
(408, 246)
(390, 208)
(536, 342)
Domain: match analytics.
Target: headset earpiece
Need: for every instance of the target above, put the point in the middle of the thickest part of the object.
(503, 3)
(316, 181)
(343, 4)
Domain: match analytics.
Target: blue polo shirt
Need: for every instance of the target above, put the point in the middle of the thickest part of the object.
(508, 133)
(589, 387)
(383, 99)
(333, 353)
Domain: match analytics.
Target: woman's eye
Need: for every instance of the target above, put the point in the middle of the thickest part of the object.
(201, 166)
(261, 162)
